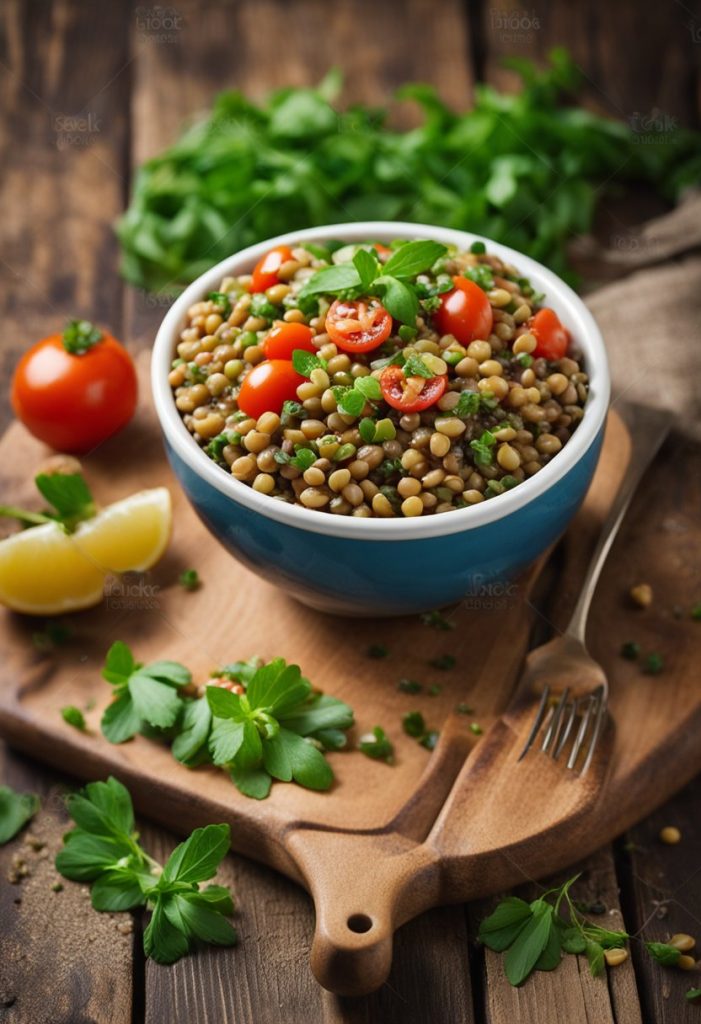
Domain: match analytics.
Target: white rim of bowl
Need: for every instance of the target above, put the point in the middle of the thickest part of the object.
(559, 296)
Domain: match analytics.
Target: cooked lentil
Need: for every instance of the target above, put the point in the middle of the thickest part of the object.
(505, 412)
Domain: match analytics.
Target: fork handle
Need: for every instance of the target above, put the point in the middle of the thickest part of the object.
(648, 429)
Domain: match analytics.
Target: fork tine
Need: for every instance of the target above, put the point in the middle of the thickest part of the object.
(565, 732)
(598, 723)
(537, 722)
(590, 705)
(552, 730)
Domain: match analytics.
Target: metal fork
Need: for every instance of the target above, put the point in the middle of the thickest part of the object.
(573, 686)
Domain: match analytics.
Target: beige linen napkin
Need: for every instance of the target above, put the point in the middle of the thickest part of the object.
(651, 318)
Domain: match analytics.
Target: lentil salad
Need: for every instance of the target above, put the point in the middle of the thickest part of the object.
(378, 381)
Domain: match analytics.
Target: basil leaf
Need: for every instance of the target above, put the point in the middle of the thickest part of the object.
(367, 265)
(399, 299)
(69, 494)
(529, 944)
(331, 280)
(16, 809)
(116, 891)
(202, 921)
(414, 257)
(85, 857)
(500, 929)
(551, 956)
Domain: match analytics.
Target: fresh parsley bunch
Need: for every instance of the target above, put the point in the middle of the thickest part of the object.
(277, 729)
(534, 935)
(103, 849)
(145, 695)
(391, 281)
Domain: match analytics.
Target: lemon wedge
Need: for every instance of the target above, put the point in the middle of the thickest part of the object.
(44, 571)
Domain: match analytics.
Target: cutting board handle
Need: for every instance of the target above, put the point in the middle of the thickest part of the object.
(364, 886)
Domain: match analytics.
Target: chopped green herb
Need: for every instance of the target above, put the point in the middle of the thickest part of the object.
(54, 634)
(653, 664)
(483, 449)
(482, 275)
(443, 662)
(478, 248)
(696, 612)
(16, 809)
(291, 410)
(476, 728)
(464, 709)
(409, 686)
(630, 650)
(305, 362)
(377, 651)
(263, 307)
(413, 724)
(429, 739)
(434, 690)
(524, 359)
(377, 746)
(414, 366)
(103, 850)
(74, 716)
(222, 302)
(468, 404)
(189, 579)
(663, 953)
(693, 995)
(437, 621)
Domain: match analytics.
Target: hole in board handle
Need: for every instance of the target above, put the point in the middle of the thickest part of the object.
(359, 923)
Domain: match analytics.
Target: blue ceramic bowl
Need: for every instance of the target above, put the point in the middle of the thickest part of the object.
(380, 567)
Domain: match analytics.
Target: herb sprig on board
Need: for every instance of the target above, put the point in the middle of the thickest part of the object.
(69, 495)
(275, 727)
(103, 849)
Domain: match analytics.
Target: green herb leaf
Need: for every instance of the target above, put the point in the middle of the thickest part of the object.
(288, 756)
(252, 782)
(500, 929)
(119, 663)
(367, 265)
(305, 362)
(350, 401)
(16, 809)
(197, 859)
(163, 942)
(70, 496)
(399, 299)
(190, 745)
(483, 448)
(573, 941)
(595, 957)
(531, 941)
(444, 662)
(663, 953)
(331, 280)
(189, 579)
(377, 746)
(413, 258)
(693, 995)
(369, 387)
(73, 716)
(413, 724)
(468, 404)
(120, 721)
(222, 302)
(116, 891)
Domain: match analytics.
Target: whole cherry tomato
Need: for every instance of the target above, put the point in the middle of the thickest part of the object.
(267, 386)
(410, 394)
(552, 338)
(465, 312)
(358, 326)
(284, 338)
(76, 389)
(265, 270)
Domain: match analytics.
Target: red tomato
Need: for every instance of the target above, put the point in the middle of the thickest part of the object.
(358, 326)
(383, 251)
(398, 392)
(465, 312)
(284, 338)
(74, 394)
(265, 270)
(267, 386)
(553, 339)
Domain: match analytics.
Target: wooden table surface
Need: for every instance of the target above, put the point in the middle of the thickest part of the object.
(133, 74)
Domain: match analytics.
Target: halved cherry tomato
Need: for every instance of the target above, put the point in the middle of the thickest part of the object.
(410, 395)
(74, 390)
(267, 386)
(553, 339)
(265, 270)
(383, 251)
(358, 326)
(284, 338)
(465, 312)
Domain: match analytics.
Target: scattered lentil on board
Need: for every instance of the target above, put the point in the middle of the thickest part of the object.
(503, 413)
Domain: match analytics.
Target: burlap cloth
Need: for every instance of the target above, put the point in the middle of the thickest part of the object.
(650, 315)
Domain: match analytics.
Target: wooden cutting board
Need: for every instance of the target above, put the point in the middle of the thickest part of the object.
(386, 842)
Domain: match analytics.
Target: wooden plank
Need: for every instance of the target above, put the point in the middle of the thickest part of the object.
(663, 896)
(64, 81)
(568, 993)
(54, 947)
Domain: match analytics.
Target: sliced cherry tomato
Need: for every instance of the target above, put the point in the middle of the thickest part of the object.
(410, 395)
(383, 251)
(267, 386)
(74, 390)
(358, 326)
(465, 312)
(284, 338)
(553, 339)
(265, 270)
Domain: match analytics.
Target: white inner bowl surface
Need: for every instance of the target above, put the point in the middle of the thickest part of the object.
(568, 306)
